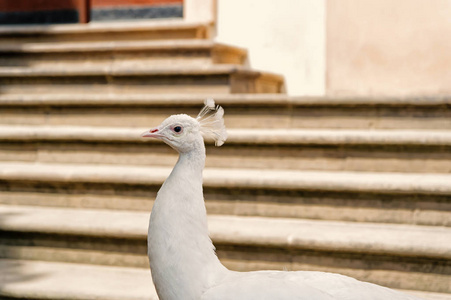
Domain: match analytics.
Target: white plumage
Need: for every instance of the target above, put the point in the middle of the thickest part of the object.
(182, 257)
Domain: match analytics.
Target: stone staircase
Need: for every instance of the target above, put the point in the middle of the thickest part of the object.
(356, 186)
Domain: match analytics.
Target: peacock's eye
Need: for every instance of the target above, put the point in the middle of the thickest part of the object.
(178, 129)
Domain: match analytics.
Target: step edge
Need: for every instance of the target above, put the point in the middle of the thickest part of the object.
(251, 231)
(339, 181)
(118, 46)
(100, 27)
(293, 137)
(121, 71)
(241, 100)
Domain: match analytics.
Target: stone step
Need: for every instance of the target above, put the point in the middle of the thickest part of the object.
(119, 53)
(398, 256)
(347, 196)
(38, 280)
(104, 31)
(242, 111)
(87, 282)
(418, 151)
(122, 79)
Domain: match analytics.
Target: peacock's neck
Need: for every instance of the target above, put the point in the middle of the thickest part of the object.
(181, 254)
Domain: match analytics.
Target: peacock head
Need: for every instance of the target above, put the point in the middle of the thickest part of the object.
(183, 132)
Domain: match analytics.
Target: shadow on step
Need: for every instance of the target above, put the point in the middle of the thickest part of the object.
(13, 273)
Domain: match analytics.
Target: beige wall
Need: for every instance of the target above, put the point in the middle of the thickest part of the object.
(284, 36)
(388, 47)
(202, 11)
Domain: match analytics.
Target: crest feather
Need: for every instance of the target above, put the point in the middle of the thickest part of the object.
(211, 122)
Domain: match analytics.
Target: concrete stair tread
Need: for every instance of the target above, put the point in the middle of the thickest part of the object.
(99, 27)
(143, 70)
(429, 296)
(236, 136)
(49, 280)
(348, 237)
(100, 107)
(341, 137)
(242, 100)
(63, 47)
(134, 54)
(380, 182)
(106, 31)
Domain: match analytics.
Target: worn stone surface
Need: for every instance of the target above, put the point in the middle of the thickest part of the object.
(130, 54)
(295, 244)
(126, 79)
(348, 196)
(298, 149)
(45, 280)
(105, 31)
(385, 239)
(396, 183)
(242, 111)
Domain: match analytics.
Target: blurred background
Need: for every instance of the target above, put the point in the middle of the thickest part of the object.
(339, 149)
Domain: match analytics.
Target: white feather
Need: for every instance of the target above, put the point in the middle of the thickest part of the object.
(212, 122)
(280, 285)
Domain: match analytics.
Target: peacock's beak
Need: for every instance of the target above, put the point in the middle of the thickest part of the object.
(154, 133)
